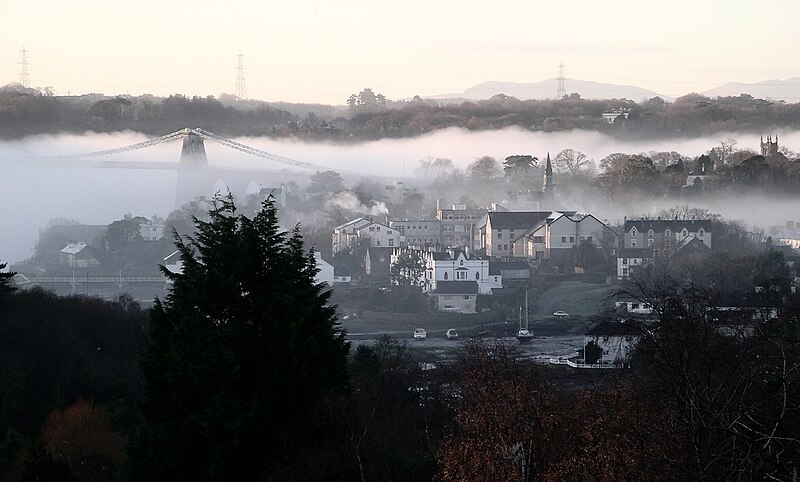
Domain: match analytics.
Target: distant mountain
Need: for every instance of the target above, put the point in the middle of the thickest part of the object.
(547, 90)
(788, 90)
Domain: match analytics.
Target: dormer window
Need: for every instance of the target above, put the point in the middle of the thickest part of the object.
(667, 233)
(461, 262)
(634, 232)
(701, 233)
(650, 234)
(684, 233)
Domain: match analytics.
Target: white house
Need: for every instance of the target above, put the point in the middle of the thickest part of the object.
(456, 296)
(346, 235)
(78, 255)
(173, 262)
(152, 230)
(325, 273)
(379, 235)
(454, 265)
(542, 234)
(555, 237)
(376, 234)
(610, 342)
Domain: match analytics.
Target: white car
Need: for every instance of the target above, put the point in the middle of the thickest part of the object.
(451, 334)
(561, 314)
(420, 334)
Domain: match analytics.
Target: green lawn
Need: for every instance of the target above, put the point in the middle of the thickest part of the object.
(574, 297)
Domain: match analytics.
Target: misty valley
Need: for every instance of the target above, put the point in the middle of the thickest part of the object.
(599, 290)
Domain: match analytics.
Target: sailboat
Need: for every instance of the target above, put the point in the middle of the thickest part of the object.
(524, 335)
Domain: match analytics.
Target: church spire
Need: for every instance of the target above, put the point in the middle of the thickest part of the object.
(548, 176)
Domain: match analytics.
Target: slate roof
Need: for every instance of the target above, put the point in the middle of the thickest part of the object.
(517, 220)
(456, 288)
(674, 225)
(74, 248)
(349, 223)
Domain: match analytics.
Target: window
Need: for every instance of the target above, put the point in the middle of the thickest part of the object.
(378, 242)
(391, 242)
(589, 238)
(701, 233)
(461, 275)
(624, 271)
(445, 275)
(372, 228)
(477, 275)
(634, 232)
(538, 239)
(624, 260)
(466, 297)
(633, 242)
(378, 228)
(650, 234)
(572, 239)
(684, 232)
(563, 239)
(388, 231)
(461, 262)
(650, 243)
(447, 297)
(499, 234)
(667, 233)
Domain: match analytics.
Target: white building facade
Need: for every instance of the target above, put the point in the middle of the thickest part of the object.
(453, 265)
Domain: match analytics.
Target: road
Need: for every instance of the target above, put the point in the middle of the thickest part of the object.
(360, 331)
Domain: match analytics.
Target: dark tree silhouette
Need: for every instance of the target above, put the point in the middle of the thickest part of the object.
(5, 281)
(241, 353)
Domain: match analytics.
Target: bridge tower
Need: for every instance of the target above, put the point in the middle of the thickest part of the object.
(194, 178)
(193, 152)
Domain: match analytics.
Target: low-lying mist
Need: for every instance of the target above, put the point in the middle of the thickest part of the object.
(35, 194)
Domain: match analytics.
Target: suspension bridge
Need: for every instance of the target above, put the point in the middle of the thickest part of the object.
(192, 153)
(195, 176)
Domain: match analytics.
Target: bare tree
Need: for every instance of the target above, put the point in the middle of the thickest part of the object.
(734, 385)
(572, 161)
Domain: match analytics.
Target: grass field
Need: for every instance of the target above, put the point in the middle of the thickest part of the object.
(574, 297)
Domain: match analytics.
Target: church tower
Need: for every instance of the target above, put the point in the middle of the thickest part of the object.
(548, 177)
(769, 148)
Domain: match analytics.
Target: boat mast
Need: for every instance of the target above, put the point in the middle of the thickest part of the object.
(526, 309)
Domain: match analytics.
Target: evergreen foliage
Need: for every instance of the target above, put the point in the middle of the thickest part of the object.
(241, 353)
(5, 281)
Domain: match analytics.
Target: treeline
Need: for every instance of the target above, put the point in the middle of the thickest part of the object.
(25, 111)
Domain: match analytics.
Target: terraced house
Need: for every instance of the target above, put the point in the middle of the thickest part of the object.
(643, 241)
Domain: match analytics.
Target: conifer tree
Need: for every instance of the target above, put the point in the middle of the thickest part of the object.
(5, 281)
(241, 352)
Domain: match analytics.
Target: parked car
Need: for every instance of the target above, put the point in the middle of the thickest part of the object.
(561, 314)
(420, 334)
(451, 334)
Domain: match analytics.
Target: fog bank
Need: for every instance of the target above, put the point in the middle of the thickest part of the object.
(35, 195)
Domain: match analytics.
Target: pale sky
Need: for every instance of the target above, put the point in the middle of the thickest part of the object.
(323, 51)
